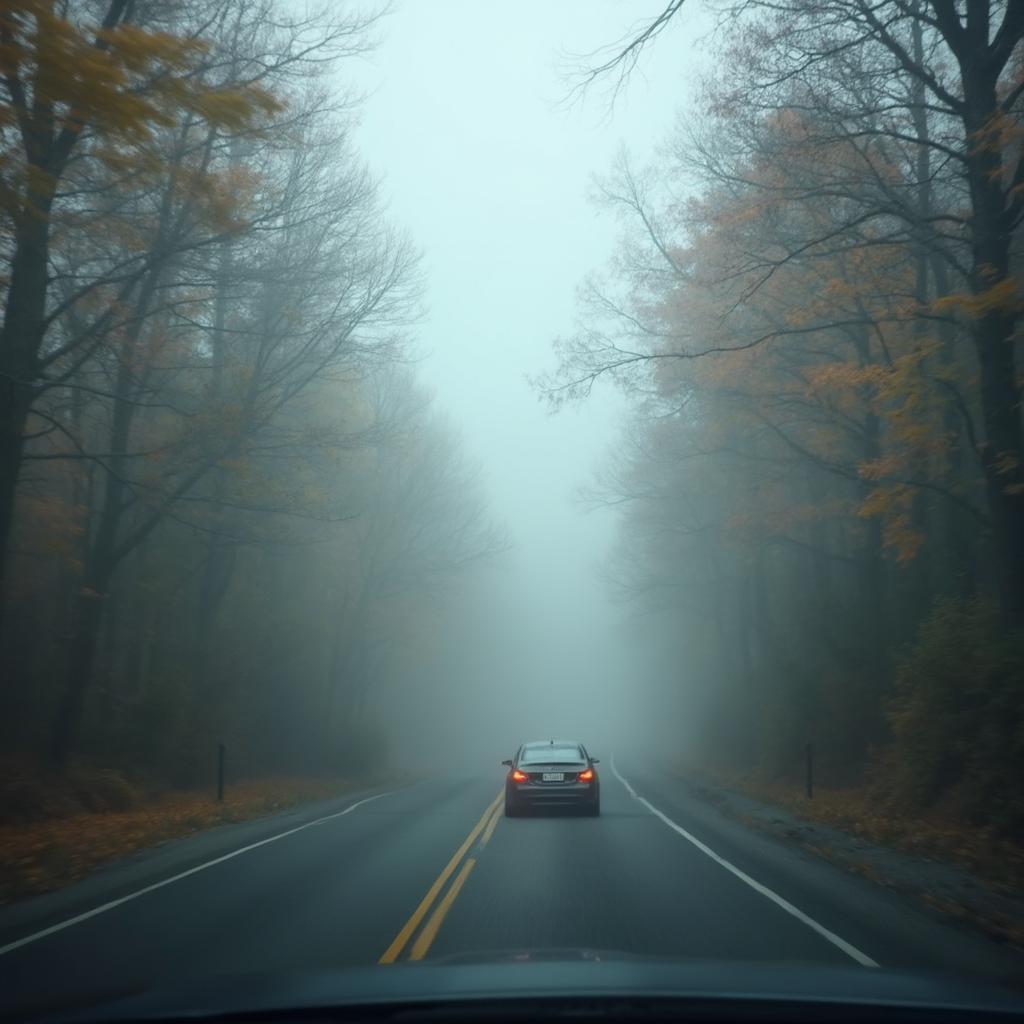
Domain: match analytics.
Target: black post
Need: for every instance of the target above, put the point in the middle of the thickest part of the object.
(810, 771)
(220, 772)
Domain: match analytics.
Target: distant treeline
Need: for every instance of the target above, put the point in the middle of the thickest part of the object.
(816, 311)
(226, 510)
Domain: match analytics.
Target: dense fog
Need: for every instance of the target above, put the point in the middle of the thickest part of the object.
(385, 387)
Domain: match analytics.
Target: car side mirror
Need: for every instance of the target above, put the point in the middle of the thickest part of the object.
(507, 764)
(595, 760)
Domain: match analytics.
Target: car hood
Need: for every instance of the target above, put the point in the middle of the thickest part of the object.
(505, 976)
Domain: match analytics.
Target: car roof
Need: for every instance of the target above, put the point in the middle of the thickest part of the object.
(551, 743)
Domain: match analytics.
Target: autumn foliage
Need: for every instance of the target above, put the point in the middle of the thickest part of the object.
(205, 404)
(815, 312)
(45, 855)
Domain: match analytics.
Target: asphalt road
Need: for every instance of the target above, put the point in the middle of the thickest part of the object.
(434, 869)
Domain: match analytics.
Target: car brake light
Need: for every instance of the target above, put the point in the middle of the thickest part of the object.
(585, 776)
(518, 776)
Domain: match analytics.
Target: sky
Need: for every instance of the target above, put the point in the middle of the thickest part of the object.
(490, 172)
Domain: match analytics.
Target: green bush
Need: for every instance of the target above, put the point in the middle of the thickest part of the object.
(957, 721)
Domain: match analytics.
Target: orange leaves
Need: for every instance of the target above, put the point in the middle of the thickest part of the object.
(45, 855)
(858, 810)
(879, 469)
(1002, 297)
(223, 197)
(119, 82)
(234, 109)
(893, 504)
(90, 75)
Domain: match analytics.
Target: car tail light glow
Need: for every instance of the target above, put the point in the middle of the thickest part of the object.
(518, 776)
(586, 776)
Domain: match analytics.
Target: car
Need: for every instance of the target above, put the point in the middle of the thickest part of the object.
(552, 773)
(586, 986)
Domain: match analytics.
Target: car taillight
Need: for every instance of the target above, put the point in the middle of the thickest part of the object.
(518, 776)
(585, 776)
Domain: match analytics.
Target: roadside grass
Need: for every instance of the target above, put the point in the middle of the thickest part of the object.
(987, 899)
(39, 856)
(856, 810)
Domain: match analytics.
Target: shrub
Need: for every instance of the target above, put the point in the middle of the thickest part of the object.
(103, 789)
(957, 721)
(28, 793)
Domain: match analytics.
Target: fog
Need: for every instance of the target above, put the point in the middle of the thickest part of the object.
(385, 386)
(488, 158)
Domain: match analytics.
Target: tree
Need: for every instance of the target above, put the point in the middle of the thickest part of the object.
(81, 89)
(876, 79)
(811, 463)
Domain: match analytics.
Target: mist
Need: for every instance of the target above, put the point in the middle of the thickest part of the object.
(489, 159)
(385, 387)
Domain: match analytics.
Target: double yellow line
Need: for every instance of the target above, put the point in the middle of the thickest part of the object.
(420, 947)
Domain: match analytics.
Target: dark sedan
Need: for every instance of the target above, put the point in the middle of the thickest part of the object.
(552, 773)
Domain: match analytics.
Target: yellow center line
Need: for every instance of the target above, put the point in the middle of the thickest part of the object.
(489, 831)
(393, 951)
(429, 933)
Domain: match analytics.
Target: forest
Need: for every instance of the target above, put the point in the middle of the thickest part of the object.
(511, 501)
(815, 314)
(228, 509)
(231, 511)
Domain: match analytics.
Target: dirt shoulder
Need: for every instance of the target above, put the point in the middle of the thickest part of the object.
(957, 872)
(41, 856)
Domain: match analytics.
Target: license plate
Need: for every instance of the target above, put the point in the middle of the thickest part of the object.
(553, 776)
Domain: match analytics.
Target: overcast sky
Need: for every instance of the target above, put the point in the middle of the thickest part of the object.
(491, 175)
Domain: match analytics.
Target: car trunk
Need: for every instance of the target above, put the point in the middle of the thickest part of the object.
(568, 771)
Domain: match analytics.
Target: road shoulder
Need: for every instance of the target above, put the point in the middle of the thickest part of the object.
(896, 930)
(945, 889)
(154, 864)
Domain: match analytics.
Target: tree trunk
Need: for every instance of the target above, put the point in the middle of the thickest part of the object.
(88, 614)
(101, 559)
(20, 340)
(993, 329)
(217, 572)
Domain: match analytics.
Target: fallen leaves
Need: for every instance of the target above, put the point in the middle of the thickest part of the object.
(857, 811)
(41, 856)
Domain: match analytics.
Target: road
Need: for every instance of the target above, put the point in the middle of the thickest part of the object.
(434, 869)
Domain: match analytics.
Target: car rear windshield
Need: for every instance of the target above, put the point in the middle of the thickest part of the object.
(552, 754)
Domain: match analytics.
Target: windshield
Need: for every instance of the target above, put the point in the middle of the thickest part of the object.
(552, 754)
(388, 388)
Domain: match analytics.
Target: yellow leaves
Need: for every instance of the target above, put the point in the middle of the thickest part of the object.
(859, 810)
(234, 109)
(140, 50)
(45, 855)
(879, 469)
(900, 536)
(875, 504)
(893, 504)
(841, 376)
(224, 197)
(91, 76)
(1002, 297)
(119, 83)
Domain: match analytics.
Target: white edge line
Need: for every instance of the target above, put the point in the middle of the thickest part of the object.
(104, 907)
(850, 950)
